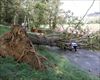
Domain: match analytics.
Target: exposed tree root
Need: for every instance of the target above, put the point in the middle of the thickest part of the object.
(17, 44)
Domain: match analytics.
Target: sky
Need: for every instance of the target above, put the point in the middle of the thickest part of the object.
(79, 7)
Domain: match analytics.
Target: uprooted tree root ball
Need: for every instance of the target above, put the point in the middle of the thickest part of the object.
(17, 44)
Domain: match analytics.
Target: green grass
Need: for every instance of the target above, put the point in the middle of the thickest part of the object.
(3, 29)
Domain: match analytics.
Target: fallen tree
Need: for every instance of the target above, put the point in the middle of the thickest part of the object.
(50, 41)
(59, 41)
(17, 44)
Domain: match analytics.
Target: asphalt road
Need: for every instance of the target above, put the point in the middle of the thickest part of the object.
(87, 60)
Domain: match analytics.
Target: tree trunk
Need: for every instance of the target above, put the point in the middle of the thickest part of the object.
(56, 41)
(39, 39)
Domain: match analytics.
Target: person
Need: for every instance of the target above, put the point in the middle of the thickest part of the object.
(74, 46)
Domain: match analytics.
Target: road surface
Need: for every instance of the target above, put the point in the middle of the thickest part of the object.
(85, 59)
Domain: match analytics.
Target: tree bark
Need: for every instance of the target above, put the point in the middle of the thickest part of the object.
(56, 41)
(50, 41)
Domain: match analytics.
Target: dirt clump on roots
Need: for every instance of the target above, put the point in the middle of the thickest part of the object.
(17, 44)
